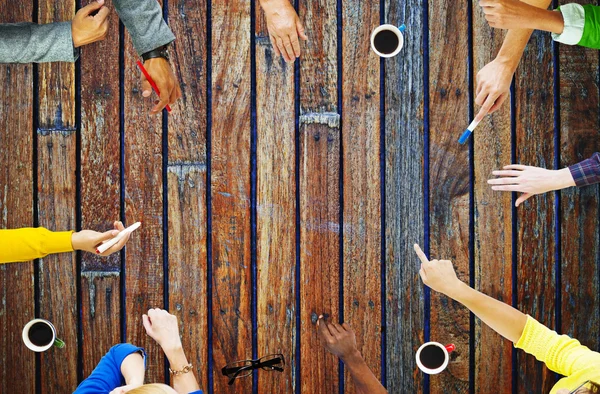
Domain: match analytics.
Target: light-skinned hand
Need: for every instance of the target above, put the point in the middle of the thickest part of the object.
(438, 274)
(508, 14)
(530, 180)
(161, 326)
(90, 24)
(284, 28)
(493, 86)
(339, 340)
(89, 240)
(161, 72)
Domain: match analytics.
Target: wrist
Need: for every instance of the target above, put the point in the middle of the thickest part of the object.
(352, 358)
(508, 60)
(269, 4)
(75, 241)
(563, 179)
(458, 291)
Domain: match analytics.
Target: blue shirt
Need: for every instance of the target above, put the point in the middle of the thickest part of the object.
(107, 374)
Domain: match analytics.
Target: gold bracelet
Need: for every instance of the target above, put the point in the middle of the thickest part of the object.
(185, 369)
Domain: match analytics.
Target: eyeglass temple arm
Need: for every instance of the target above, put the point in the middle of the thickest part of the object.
(234, 377)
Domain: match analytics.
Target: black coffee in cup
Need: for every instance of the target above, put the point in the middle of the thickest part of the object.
(40, 334)
(432, 357)
(386, 41)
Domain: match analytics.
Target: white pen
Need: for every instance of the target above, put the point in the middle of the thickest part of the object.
(105, 245)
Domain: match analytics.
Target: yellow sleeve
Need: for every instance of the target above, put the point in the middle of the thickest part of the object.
(31, 243)
(560, 353)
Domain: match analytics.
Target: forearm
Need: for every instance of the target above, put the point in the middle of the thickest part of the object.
(516, 39)
(362, 376)
(182, 383)
(144, 21)
(32, 43)
(31, 243)
(502, 318)
(132, 369)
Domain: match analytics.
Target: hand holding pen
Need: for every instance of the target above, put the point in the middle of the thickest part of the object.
(158, 75)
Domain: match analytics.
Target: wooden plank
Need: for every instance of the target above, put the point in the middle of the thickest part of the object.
(319, 249)
(100, 189)
(143, 202)
(319, 190)
(404, 150)
(579, 209)
(535, 219)
(17, 363)
(276, 211)
(230, 184)
(56, 206)
(186, 177)
(449, 181)
(361, 174)
(492, 220)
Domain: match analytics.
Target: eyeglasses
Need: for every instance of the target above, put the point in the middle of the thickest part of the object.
(578, 387)
(240, 369)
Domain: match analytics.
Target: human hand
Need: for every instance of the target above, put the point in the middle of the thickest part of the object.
(493, 86)
(284, 28)
(438, 274)
(508, 14)
(160, 71)
(87, 28)
(339, 340)
(530, 180)
(89, 240)
(161, 326)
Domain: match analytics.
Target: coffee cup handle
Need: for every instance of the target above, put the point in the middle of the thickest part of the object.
(450, 348)
(402, 27)
(59, 343)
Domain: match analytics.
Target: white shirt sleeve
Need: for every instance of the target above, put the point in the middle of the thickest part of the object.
(574, 17)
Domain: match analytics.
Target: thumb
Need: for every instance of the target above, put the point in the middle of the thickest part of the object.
(300, 30)
(522, 198)
(147, 324)
(146, 87)
(92, 7)
(107, 235)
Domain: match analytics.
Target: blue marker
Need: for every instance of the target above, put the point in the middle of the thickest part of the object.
(463, 138)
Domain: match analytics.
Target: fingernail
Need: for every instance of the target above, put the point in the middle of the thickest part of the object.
(115, 232)
(146, 93)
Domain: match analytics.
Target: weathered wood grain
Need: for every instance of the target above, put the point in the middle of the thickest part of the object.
(319, 156)
(492, 220)
(579, 104)
(100, 190)
(535, 219)
(362, 181)
(56, 148)
(276, 211)
(143, 202)
(17, 363)
(404, 186)
(319, 248)
(186, 177)
(230, 186)
(449, 181)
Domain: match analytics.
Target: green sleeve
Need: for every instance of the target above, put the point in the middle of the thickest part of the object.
(591, 29)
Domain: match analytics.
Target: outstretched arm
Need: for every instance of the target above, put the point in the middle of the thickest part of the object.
(502, 318)
(162, 327)
(53, 42)
(494, 79)
(340, 340)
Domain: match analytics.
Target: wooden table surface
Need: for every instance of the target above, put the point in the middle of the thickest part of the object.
(274, 193)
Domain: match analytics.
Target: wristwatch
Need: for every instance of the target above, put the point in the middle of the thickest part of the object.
(158, 52)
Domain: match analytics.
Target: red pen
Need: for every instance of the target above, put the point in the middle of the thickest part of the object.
(151, 81)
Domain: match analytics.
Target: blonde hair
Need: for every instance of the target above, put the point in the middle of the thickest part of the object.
(154, 388)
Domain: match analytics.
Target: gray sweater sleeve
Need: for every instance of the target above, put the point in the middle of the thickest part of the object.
(33, 43)
(144, 21)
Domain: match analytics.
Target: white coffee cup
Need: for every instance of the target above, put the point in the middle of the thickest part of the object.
(443, 359)
(39, 335)
(388, 28)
